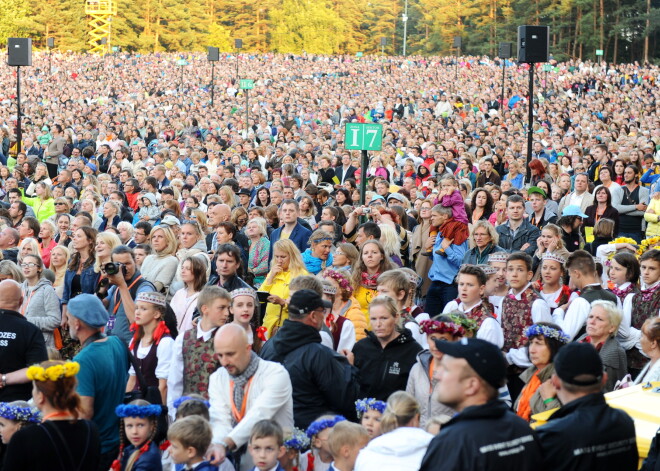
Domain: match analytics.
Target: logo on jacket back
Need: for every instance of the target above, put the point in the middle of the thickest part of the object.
(394, 369)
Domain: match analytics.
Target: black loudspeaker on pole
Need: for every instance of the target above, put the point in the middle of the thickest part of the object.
(51, 42)
(533, 47)
(19, 54)
(504, 53)
(213, 56)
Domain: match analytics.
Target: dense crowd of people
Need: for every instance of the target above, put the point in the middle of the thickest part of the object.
(188, 284)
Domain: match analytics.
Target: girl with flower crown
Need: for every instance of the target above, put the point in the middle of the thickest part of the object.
(369, 412)
(422, 381)
(372, 262)
(318, 458)
(243, 308)
(345, 305)
(152, 342)
(14, 416)
(137, 428)
(551, 285)
(341, 329)
(544, 340)
(63, 440)
(295, 443)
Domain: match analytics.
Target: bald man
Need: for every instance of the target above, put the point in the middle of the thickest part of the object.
(21, 345)
(261, 390)
(218, 213)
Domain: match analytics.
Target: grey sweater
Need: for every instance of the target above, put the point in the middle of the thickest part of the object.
(41, 306)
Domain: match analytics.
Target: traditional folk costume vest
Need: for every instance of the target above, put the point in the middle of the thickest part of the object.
(644, 305)
(622, 293)
(198, 363)
(336, 331)
(480, 312)
(516, 317)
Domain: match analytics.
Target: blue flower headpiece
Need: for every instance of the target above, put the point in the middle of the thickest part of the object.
(183, 399)
(547, 331)
(133, 410)
(320, 425)
(298, 440)
(370, 403)
(19, 414)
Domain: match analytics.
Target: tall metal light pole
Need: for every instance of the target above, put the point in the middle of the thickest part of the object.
(404, 18)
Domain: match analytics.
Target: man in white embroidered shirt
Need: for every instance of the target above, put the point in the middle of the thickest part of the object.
(245, 390)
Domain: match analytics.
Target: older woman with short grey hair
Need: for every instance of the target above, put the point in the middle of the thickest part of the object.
(602, 324)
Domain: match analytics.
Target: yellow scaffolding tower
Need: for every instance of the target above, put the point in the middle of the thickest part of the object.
(100, 23)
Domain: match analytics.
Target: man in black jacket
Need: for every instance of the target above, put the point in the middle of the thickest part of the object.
(485, 434)
(323, 381)
(21, 345)
(586, 433)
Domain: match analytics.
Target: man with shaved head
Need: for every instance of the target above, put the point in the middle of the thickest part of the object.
(9, 238)
(245, 390)
(216, 214)
(21, 345)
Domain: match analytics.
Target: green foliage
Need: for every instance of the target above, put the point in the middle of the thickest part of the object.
(578, 27)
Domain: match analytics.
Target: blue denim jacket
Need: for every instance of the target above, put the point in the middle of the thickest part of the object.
(88, 282)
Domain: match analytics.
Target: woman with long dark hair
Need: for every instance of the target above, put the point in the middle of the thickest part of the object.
(80, 276)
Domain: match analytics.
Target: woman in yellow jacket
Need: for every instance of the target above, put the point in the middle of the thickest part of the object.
(652, 216)
(43, 204)
(286, 265)
(372, 262)
(345, 304)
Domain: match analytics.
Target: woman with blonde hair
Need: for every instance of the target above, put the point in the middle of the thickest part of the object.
(259, 250)
(28, 246)
(59, 259)
(43, 204)
(227, 196)
(40, 175)
(287, 264)
(402, 444)
(160, 267)
(47, 233)
(308, 211)
(391, 243)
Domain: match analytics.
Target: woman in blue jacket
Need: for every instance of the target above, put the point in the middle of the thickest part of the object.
(80, 276)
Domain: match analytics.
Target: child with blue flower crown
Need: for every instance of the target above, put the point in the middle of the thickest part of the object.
(319, 457)
(295, 443)
(138, 427)
(369, 411)
(14, 416)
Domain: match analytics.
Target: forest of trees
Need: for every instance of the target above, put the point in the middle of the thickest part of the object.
(627, 30)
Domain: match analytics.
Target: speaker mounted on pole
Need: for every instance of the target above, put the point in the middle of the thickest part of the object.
(19, 52)
(213, 54)
(533, 44)
(458, 42)
(504, 51)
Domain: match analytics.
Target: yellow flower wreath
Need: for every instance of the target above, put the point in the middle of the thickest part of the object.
(53, 373)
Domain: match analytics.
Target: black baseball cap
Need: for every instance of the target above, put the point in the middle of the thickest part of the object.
(244, 191)
(484, 358)
(579, 364)
(306, 300)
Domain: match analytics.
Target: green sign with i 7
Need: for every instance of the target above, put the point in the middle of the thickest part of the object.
(363, 136)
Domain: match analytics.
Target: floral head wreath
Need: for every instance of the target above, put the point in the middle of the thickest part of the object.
(320, 425)
(470, 325)
(183, 399)
(298, 440)
(370, 403)
(340, 279)
(54, 372)
(19, 414)
(648, 244)
(437, 327)
(548, 332)
(134, 410)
